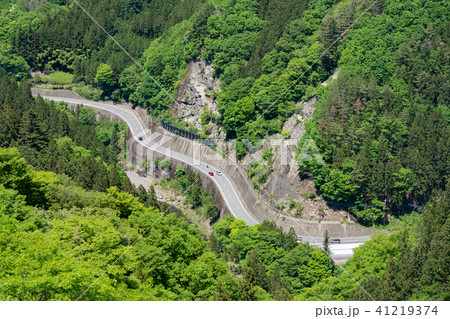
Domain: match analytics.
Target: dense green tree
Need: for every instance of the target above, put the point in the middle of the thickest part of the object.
(14, 172)
(12, 63)
(215, 247)
(33, 131)
(105, 77)
(49, 136)
(420, 269)
(248, 286)
(234, 254)
(259, 269)
(326, 243)
(92, 230)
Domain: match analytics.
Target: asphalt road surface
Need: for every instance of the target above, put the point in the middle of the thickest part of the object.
(339, 251)
(347, 240)
(343, 251)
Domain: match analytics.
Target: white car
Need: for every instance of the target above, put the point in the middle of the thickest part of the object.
(219, 173)
(335, 241)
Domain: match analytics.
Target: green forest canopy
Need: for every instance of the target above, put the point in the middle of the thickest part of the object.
(387, 132)
(382, 128)
(55, 249)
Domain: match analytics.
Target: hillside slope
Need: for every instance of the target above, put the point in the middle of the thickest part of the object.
(382, 127)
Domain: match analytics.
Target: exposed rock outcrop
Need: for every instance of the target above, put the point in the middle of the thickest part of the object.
(196, 95)
(283, 183)
(332, 77)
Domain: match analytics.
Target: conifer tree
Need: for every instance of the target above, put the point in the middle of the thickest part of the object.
(114, 178)
(153, 201)
(326, 243)
(234, 254)
(215, 247)
(248, 285)
(143, 195)
(259, 269)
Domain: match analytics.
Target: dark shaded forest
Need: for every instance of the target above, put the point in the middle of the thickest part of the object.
(52, 138)
(68, 40)
(383, 126)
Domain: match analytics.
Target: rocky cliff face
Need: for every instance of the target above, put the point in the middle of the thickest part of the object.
(283, 183)
(196, 95)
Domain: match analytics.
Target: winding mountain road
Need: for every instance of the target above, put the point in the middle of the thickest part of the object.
(222, 182)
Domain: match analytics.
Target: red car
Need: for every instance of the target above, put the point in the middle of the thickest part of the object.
(211, 174)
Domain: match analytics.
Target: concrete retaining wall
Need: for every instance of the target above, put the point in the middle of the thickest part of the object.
(137, 154)
(57, 93)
